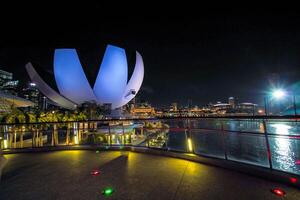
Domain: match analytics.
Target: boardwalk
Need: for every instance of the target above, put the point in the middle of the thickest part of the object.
(66, 175)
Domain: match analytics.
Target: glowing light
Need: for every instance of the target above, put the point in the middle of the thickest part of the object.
(107, 191)
(5, 144)
(190, 146)
(293, 180)
(278, 94)
(70, 77)
(127, 136)
(97, 151)
(111, 85)
(297, 162)
(281, 128)
(278, 192)
(76, 139)
(95, 172)
(114, 64)
(75, 126)
(260, 111)
(113, 136)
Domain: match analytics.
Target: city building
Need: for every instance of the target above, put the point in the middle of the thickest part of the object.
(231, 102)
(143, 112)
(174, 107)
(7, 84)
(9, 100)
(220, 108)
(249, 108)
(31, 93)
(117, 91)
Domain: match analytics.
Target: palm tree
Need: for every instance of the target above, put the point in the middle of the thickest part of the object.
(15, 116)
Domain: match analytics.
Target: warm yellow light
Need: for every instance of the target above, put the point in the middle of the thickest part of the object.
(113, 136)
(76, 139)
(190, 146)
(127, 136)
(5, 144)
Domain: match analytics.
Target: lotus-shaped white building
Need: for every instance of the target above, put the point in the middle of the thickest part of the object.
(111, 86)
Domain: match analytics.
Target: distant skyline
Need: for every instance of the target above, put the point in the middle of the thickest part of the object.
(205, 58)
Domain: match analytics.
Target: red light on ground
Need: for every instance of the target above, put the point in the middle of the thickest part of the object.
(278, 192)
(293, 180)
(95, 172)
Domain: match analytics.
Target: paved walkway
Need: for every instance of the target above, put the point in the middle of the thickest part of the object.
(66, 175)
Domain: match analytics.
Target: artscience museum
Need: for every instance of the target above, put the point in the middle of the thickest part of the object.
(111, 86)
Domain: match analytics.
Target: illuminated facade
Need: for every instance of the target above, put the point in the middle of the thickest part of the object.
(111, 86)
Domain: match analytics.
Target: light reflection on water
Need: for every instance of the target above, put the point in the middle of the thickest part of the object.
(282, 147)
(284, 140)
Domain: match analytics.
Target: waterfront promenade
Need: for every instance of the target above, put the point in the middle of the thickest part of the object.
(66, 175)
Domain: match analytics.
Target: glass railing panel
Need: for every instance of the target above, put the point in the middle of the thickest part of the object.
(247, 148)
(205, 123)
(283, 127)
(208, 143)
(243, 125)
(177, 140)
(285, 153)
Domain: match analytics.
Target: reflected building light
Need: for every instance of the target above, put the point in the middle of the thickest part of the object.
(75, 128)
(282, 129)
(5, 144)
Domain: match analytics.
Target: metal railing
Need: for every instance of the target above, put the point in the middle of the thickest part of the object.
(271, 143)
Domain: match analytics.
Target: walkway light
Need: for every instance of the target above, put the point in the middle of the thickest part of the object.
(107, 191)
(278, 192)
(190, 146)
(95, 172)
(293, 180)
(5, 144)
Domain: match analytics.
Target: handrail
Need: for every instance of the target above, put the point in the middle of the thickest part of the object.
(164, 137)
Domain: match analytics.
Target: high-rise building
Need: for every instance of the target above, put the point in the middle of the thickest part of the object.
(5, 76)
(231, 102)
(31, 93)
(7, 84)
(174, 106)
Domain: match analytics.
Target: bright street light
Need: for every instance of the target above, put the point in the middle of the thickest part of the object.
(278, 94)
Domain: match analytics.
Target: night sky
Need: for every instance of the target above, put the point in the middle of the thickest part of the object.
(203, 57)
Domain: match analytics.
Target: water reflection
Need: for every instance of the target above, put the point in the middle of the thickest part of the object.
(283, 149)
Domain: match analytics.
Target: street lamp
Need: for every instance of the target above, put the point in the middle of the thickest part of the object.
(279, 94)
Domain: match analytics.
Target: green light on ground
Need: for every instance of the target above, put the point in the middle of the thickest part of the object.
(97, 151)
(107, 191)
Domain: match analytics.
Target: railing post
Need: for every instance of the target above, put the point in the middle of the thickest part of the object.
(223, 140)
(268, 144)
(190, 145)
(123, 134)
